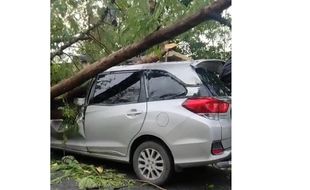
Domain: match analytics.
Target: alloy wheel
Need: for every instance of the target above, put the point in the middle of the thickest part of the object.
(150, 164)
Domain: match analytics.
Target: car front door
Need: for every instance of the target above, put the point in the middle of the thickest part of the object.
(115, 113)
(74, 138)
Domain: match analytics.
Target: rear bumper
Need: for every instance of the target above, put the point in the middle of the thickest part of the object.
(210, 160)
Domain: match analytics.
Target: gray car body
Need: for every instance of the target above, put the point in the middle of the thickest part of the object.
(109, 132)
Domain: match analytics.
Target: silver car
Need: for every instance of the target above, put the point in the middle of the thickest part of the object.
(159, 117)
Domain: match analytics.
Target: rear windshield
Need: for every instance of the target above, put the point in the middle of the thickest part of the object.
(212, 84)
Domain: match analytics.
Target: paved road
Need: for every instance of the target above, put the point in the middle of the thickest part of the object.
(202, 178)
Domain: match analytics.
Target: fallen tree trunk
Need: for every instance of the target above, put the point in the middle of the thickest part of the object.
(134, 49)
(79, 91)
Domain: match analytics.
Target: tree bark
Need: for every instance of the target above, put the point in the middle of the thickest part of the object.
(79, 91)
(151, 58)
(56, 114)
(134, 49)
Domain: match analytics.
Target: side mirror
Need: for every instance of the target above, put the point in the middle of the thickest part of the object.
(79, 101)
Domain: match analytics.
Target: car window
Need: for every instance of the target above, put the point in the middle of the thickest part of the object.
(117, 88)
(162, 86)
(212, 85)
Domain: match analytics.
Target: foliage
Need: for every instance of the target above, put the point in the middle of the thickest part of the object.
(69, 114)
(127, 22)
(87, 176)
(60, 71)
(69, 124)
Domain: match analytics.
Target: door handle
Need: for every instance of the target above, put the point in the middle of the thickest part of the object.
(134, 112)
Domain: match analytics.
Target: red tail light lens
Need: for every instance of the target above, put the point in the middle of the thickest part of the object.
(217, 148)
(217, 151)
(206, 105)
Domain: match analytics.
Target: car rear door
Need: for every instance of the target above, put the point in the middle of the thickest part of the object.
(115, 113)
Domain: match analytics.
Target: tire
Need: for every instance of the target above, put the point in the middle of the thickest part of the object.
(148, 168)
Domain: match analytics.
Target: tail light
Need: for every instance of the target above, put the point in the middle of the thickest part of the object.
(217, 148)
(205, 105)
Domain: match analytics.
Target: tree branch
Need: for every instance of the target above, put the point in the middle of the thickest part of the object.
(150, 58)
(68, 44)
(80, 37)
(220, 19)
(134, 49)
(150, 183)
(101, 44)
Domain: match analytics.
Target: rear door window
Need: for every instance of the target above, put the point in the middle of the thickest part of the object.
(163, 86)
(117, 88)
(212, 85)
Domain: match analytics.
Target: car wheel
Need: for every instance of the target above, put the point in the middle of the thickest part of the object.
(151, 162)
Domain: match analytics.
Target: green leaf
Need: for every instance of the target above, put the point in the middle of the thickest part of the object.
(87, 182)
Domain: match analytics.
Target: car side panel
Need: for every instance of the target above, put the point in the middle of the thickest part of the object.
(188, 135)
